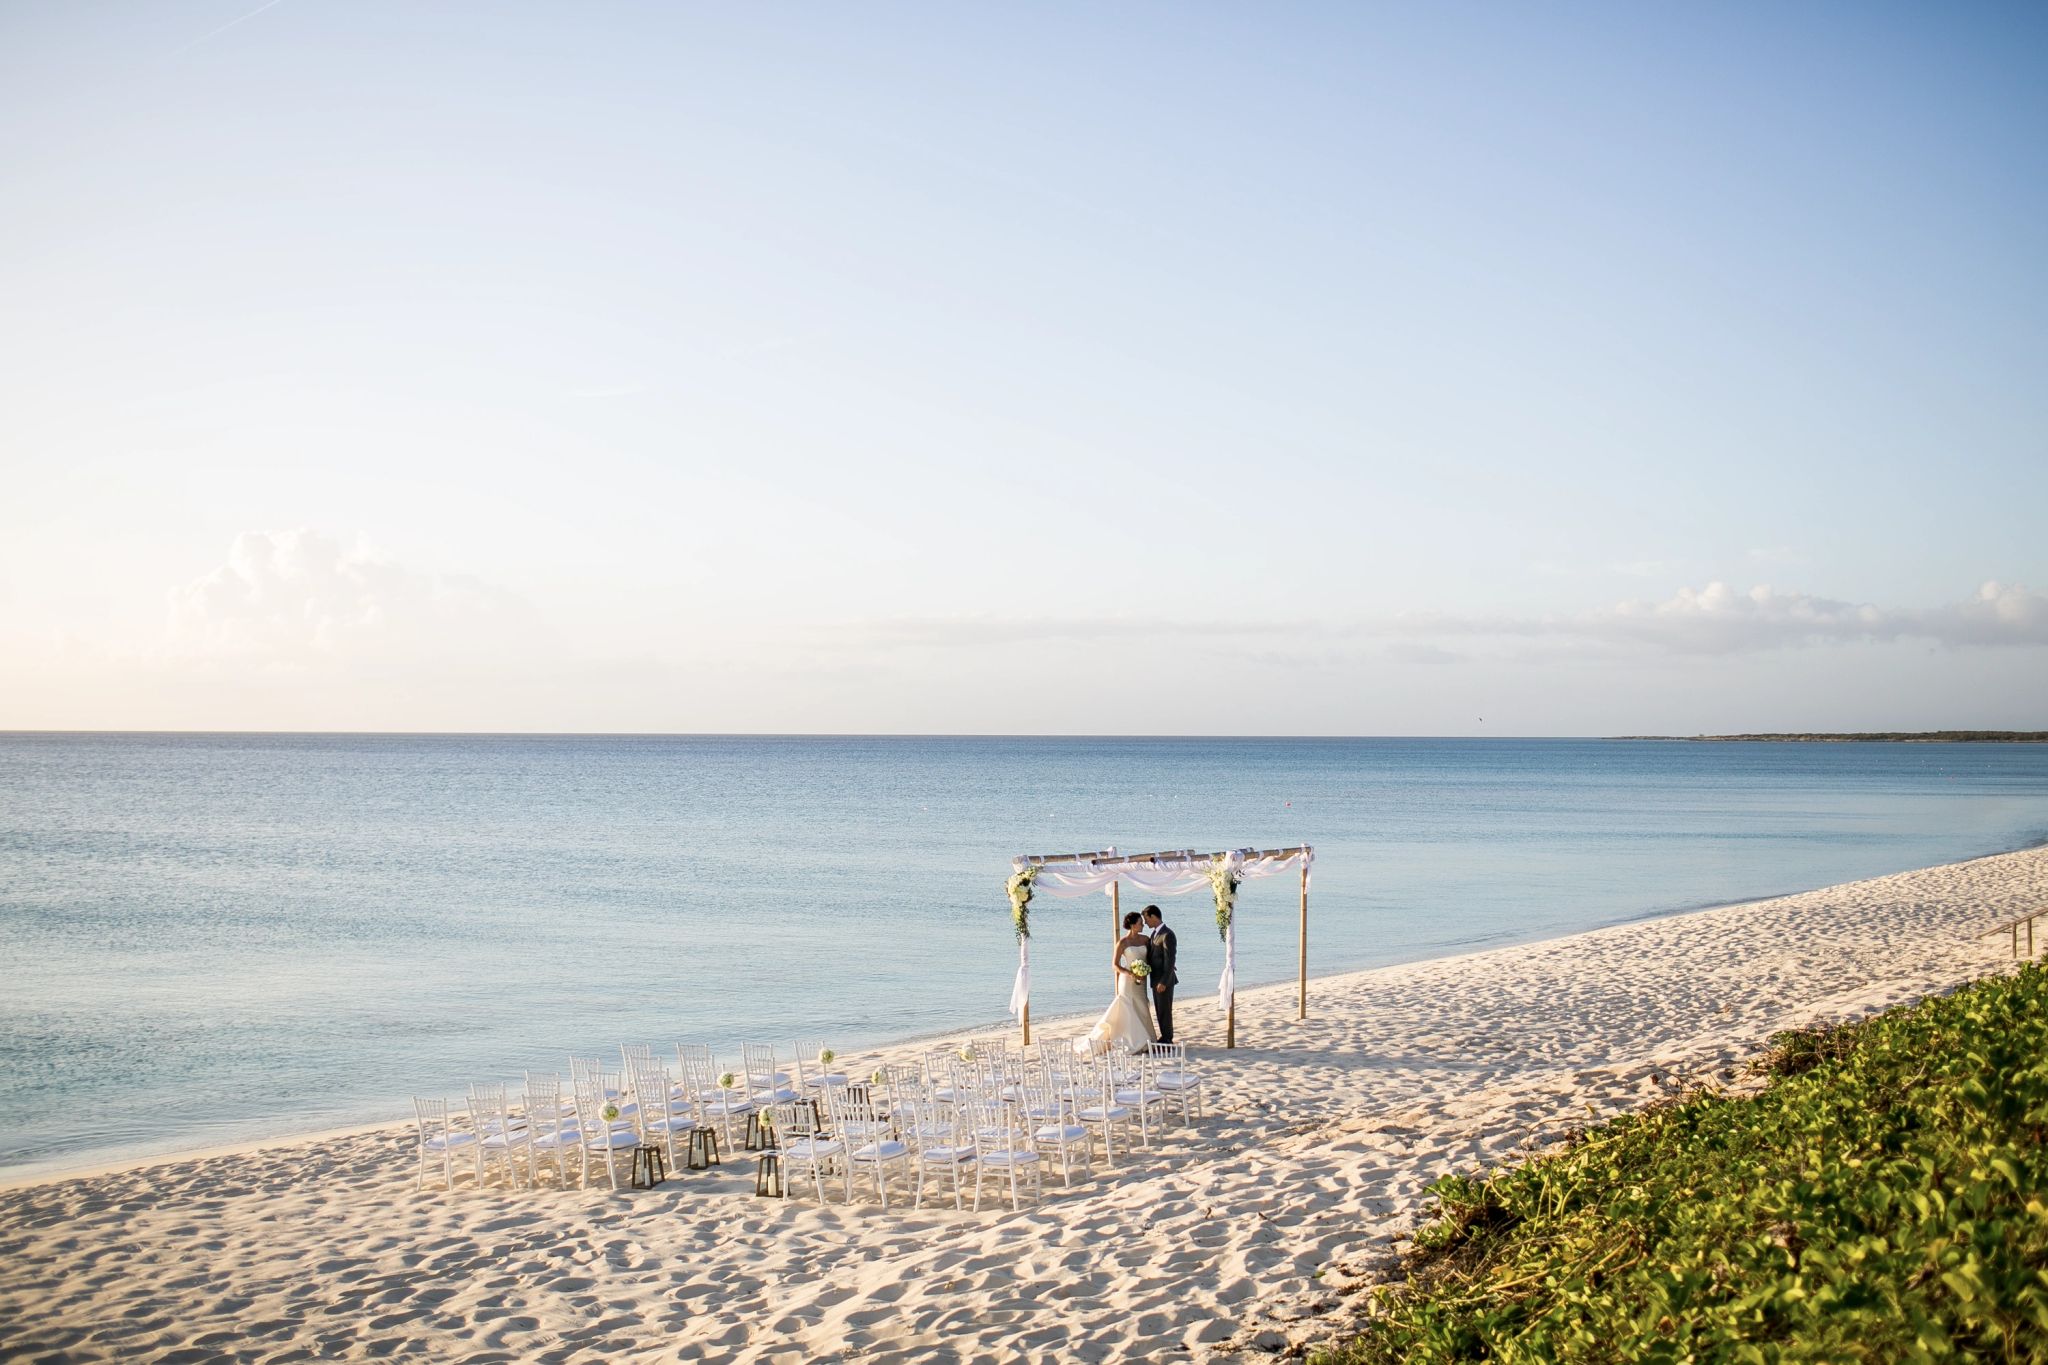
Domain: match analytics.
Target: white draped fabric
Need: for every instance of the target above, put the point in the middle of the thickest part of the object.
(1226, 986)
(1020, 994)
(1165, 876)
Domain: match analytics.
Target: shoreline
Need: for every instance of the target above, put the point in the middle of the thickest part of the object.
(1257, 1228)
(32, 1175)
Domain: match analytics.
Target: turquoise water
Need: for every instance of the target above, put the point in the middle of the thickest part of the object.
(212, 938)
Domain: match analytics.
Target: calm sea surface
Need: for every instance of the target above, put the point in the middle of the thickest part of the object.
(213, 938)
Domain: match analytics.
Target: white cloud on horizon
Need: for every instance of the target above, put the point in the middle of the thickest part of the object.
(1716, 619)
(299, 598)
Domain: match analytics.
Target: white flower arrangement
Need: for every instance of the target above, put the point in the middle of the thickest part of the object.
(1020, 900)
(1140, 970)
(728, 1081)
(825, 1056)
(878, 1078)
(1223, 880)
(611, 1113)
(966, 1054)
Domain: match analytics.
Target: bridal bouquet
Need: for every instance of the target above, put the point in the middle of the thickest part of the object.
(1140, 970)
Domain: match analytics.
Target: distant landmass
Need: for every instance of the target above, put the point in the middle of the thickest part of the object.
(1876, 737)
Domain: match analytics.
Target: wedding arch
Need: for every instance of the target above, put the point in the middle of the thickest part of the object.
(1066, 876)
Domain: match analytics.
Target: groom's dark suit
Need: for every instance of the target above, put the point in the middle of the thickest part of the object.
(1160, 951)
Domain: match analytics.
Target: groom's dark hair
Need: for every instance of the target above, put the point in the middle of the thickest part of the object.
(1155, 910)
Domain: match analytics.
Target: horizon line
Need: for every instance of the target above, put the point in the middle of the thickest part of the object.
(918, 734)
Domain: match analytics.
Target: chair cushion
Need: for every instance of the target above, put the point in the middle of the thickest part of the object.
(888, 1149)
(1057, 1132)
(806, 1149)
(453, 1140)
(1008, 1158)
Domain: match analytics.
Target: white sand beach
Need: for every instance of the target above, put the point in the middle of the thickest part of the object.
(1247, 1232)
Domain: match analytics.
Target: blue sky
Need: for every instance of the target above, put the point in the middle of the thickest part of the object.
(1194, 368)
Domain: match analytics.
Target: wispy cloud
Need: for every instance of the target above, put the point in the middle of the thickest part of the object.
(1716, 619)
(299, 598)
(211, 34)
(977, 630)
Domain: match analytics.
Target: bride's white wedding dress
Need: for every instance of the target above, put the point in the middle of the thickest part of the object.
(1127, 1023)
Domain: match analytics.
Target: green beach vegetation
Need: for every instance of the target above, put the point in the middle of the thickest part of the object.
(1881, 1199)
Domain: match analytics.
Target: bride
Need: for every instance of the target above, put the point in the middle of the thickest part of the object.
(1127, 1023)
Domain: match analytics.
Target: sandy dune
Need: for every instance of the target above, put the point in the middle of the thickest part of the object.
(1247, 1231)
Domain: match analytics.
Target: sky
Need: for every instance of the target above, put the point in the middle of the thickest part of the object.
(1149, 368)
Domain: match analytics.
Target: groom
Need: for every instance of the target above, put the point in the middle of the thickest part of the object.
(1159, 956)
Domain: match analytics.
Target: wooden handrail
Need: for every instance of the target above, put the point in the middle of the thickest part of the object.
(2013, 925)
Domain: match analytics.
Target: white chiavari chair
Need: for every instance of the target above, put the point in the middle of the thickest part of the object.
(603, 1128)
(718, 1103)
(869, 1142)
(591, 1069)
(1061, 1067)
(767, 1082)
(903, 1085)
(665, 1117)
(1181, 1083)
(550, 1133)
(943, 1074)
(813, 1072)
(633, 1056)
(942, 1142)
(696, 1059)
(1096, 1103)
(801, 1146)
(498, 1138)
(1054, 1129)
(1004, 1146)
(439, 1140)
(1134, 1090)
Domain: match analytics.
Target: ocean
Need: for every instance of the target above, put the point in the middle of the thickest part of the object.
(217, 938)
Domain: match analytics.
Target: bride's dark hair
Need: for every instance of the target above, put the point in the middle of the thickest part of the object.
(1132, 919)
